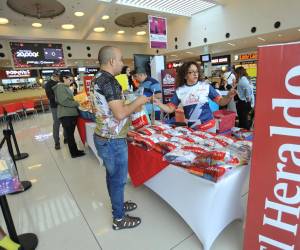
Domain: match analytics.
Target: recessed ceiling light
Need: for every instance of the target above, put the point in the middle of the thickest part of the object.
(36, 25)
(298, 29)
(280, 35)
(188, 52)
(121, 32)
(141, 33)
(68, 26)
(231, 44)
(79, 13)
(173, 55)
(105, 17)
(3, 20)
(260, 38)
(99, 29)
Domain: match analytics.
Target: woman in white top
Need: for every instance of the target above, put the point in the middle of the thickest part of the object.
(245, 96)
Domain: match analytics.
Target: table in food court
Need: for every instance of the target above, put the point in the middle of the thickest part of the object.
(207, 207)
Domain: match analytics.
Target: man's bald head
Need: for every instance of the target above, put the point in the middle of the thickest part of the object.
(110, 58)
(106, 53)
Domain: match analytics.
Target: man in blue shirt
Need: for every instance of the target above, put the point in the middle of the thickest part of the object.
(148, 87)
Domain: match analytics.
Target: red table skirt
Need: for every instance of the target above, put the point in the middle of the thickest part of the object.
(81, 128)
(142, 165)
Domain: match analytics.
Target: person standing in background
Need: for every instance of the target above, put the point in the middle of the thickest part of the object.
(245, 95)
(230, 79)
(53, 106)
(126, 70)
(149, 87)
(74, 87)
(67, 110)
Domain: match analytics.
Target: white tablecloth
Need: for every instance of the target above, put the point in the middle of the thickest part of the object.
(205, 206)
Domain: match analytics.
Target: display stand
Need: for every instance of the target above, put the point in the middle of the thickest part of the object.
(18, 156)
(28, 241)
(7, 138)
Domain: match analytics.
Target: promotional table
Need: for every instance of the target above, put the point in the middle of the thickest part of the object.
(207, 207)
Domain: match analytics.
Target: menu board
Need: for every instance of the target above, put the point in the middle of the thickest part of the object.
(37, 55)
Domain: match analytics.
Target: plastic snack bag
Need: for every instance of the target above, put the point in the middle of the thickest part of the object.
(9, 179)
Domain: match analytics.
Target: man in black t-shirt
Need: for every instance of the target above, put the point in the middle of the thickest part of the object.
(110, 134)
(53, 105)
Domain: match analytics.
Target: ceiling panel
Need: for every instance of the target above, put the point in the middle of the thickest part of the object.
(178, 7)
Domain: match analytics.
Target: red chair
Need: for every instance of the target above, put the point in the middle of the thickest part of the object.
(11, 109)
(2, 113)
(29, 107)
(20, 109)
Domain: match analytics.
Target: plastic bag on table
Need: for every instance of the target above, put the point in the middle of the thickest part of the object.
(9, 179)
(179, 140)
(240, 152)
(180, 157)
(212, 173)
(146, 131)
(172, 132)
(160, 127)
(150, 141)
(184, 130)
(166, 146)
(202, 134)
(224, 140)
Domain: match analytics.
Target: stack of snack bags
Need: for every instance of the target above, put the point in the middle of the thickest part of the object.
(205, 154)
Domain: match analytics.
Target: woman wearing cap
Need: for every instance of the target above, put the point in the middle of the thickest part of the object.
(194, 94)
(67, 110)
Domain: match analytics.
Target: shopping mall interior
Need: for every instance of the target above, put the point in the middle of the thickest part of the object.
(67, 205)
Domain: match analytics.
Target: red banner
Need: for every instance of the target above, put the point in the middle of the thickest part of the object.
(87, 80)
(274, 194)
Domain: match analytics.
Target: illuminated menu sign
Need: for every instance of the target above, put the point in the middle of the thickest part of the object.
(17, 73)
(220, 60)
(248, 56)
(37, 55)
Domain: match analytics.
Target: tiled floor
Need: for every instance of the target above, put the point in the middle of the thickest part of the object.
(68, 207)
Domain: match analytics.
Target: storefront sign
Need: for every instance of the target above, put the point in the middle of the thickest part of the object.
(174, 65)
(157, 32)
(248, 56)
(220, 60)
(273, 216)
(17, 73)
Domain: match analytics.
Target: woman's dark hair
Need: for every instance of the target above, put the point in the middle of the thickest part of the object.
(183, 71)
(64, 74)
(240, 72)
(123, 71)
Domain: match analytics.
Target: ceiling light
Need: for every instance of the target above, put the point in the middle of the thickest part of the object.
(106, 1)
(188, 52)
(279, 35)
(3, 20)
(79, 13)
(231, 44)
(298, 29)
(105, 17)
(121, 32)
(173, 55)
(260, 38)
(141, 33)
(36, 25)
(68, 26)
(99, 29)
